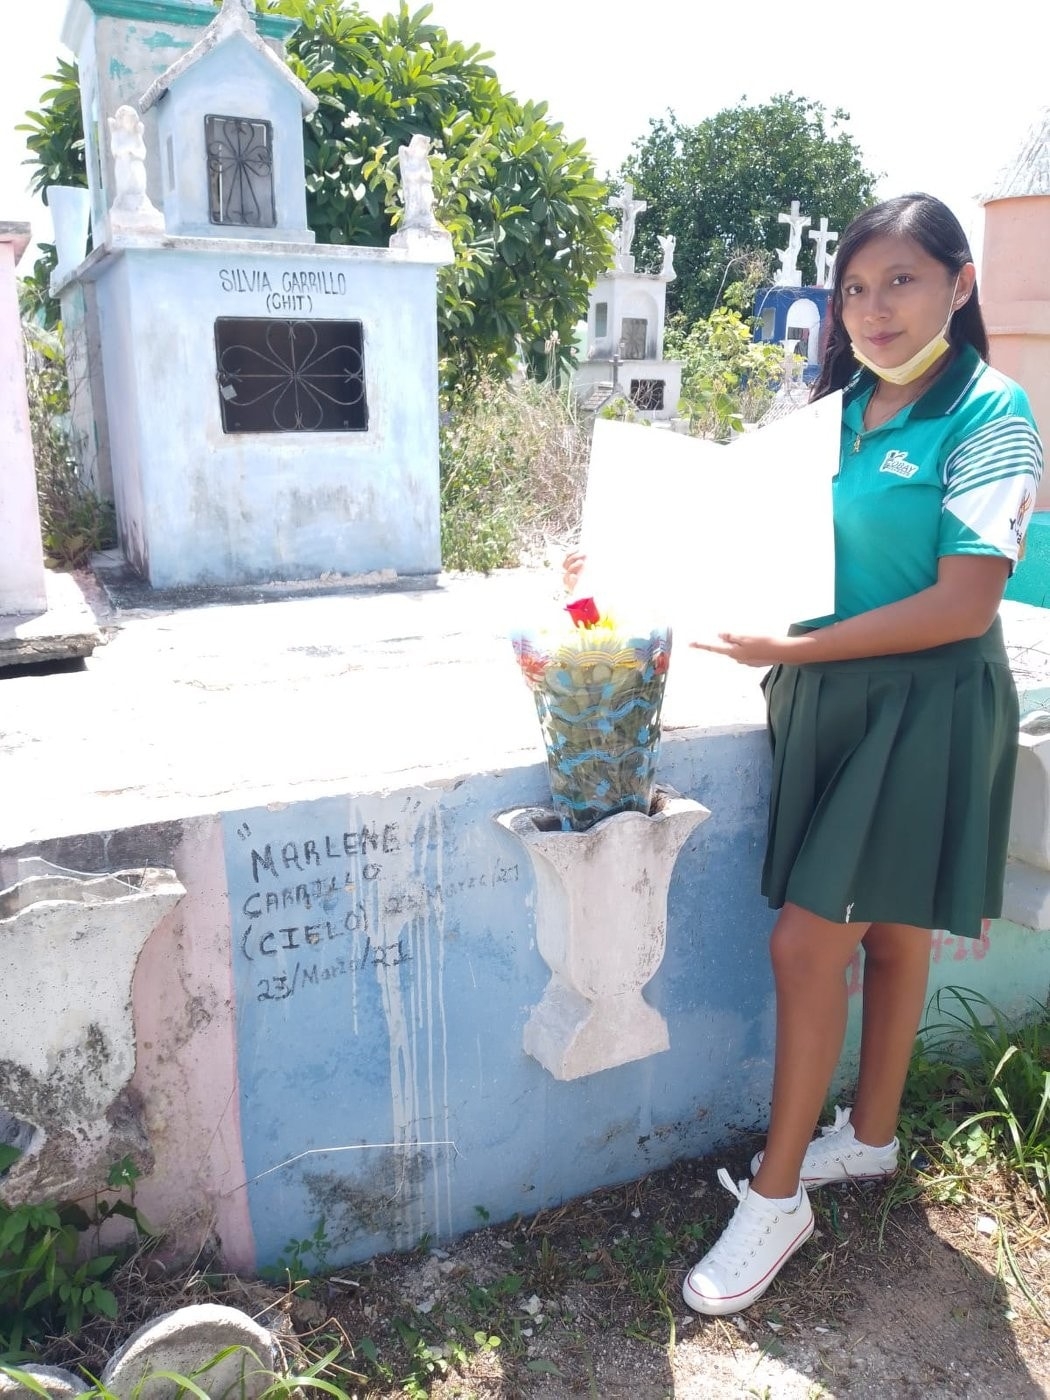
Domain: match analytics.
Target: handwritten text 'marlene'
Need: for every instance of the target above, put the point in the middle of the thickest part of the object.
(277, 857)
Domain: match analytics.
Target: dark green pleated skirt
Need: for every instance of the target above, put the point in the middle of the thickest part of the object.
(892, 783)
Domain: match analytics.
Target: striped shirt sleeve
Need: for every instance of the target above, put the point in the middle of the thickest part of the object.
(990, 483)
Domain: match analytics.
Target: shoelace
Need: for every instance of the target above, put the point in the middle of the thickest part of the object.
(737, 1240)
(841, 1119)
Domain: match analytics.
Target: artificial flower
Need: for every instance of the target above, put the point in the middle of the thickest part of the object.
(583, 611)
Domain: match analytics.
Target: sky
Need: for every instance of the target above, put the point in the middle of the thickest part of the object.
(937, 101)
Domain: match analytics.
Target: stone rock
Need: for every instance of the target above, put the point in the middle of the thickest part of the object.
(58, 1383)
(186, 1340)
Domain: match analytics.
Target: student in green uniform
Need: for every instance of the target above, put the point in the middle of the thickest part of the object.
(893, 722)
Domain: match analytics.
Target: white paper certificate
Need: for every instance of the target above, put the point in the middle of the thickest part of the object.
(712, 537)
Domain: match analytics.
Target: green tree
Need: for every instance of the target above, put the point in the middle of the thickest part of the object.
(526, 214)
(718, 187)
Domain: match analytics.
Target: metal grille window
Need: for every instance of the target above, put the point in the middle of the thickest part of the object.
(648, 395)
(240, 171)
(290, 376)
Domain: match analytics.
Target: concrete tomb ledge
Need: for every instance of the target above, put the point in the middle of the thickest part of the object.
(203, 710)
(68, 629)
(70, 945)
(197, 711)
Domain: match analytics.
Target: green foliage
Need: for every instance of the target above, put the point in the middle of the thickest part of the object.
(526, 214)
(727, 378)
(292, 1265)
(55, 132)
(74, 521)
(718, 187)
(978, 1093)
(55, 142)
(513, 459)
(976, 1120)
(46, 1283)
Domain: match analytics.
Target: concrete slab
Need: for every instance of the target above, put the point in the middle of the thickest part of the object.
(68, 629)
(220, 707)
(214, 708)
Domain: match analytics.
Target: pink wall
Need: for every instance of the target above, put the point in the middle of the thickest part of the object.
(22, 588)
(186, 1070)
(1015, 295)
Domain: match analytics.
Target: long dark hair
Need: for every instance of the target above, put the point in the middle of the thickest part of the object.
(938, 232)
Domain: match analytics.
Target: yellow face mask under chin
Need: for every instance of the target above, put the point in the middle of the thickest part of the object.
(921, 361)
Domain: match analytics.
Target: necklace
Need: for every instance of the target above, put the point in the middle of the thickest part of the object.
(867, 408)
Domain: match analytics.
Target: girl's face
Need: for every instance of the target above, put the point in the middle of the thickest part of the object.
(896, 298)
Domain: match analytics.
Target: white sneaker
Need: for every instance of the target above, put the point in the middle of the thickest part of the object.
(836, 1155)
(758, 1241)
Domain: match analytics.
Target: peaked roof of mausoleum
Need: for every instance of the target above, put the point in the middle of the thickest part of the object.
(1029, 171)
(233, 20)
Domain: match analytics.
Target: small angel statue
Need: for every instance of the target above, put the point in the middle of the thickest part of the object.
(131, 210)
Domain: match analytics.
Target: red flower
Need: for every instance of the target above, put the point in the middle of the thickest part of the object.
(583, 611)
(533, 667)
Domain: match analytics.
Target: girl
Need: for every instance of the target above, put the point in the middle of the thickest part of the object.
(893, 722)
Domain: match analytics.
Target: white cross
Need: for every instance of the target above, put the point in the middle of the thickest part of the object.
(822, 237)
(789, 275)
(630, 209)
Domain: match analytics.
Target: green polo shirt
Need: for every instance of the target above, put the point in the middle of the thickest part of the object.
(955, 472)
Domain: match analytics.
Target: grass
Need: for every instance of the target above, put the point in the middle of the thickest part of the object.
(74, 521)
(975, 1126)
(513, 462)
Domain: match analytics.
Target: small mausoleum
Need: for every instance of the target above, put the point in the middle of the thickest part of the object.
(267, 405)
(789, 313)
(625, 328)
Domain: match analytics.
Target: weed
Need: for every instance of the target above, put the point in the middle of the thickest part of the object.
(292, 1265)
(978, 1094)
(975, 1118)
(74, 521)
(45, 1283)
(513, 459)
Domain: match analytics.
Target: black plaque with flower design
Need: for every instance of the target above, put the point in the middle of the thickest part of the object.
(280, 376)
(240, 171)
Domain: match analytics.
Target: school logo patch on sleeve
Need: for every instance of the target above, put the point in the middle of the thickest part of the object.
(898, 465)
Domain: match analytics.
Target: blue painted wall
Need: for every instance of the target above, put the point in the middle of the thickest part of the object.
(392, 1017)
(780, 300)
(385, 964)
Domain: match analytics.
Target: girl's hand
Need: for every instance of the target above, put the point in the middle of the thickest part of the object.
(572, 568)
(750, 651)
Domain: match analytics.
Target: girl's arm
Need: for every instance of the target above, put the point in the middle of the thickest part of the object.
(962, 603)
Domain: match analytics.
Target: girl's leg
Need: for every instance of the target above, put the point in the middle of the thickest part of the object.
(896, 968)
(810, 958)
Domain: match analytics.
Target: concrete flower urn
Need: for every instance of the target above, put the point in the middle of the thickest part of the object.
(601, 924)
(70, 944)
(70, 207)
